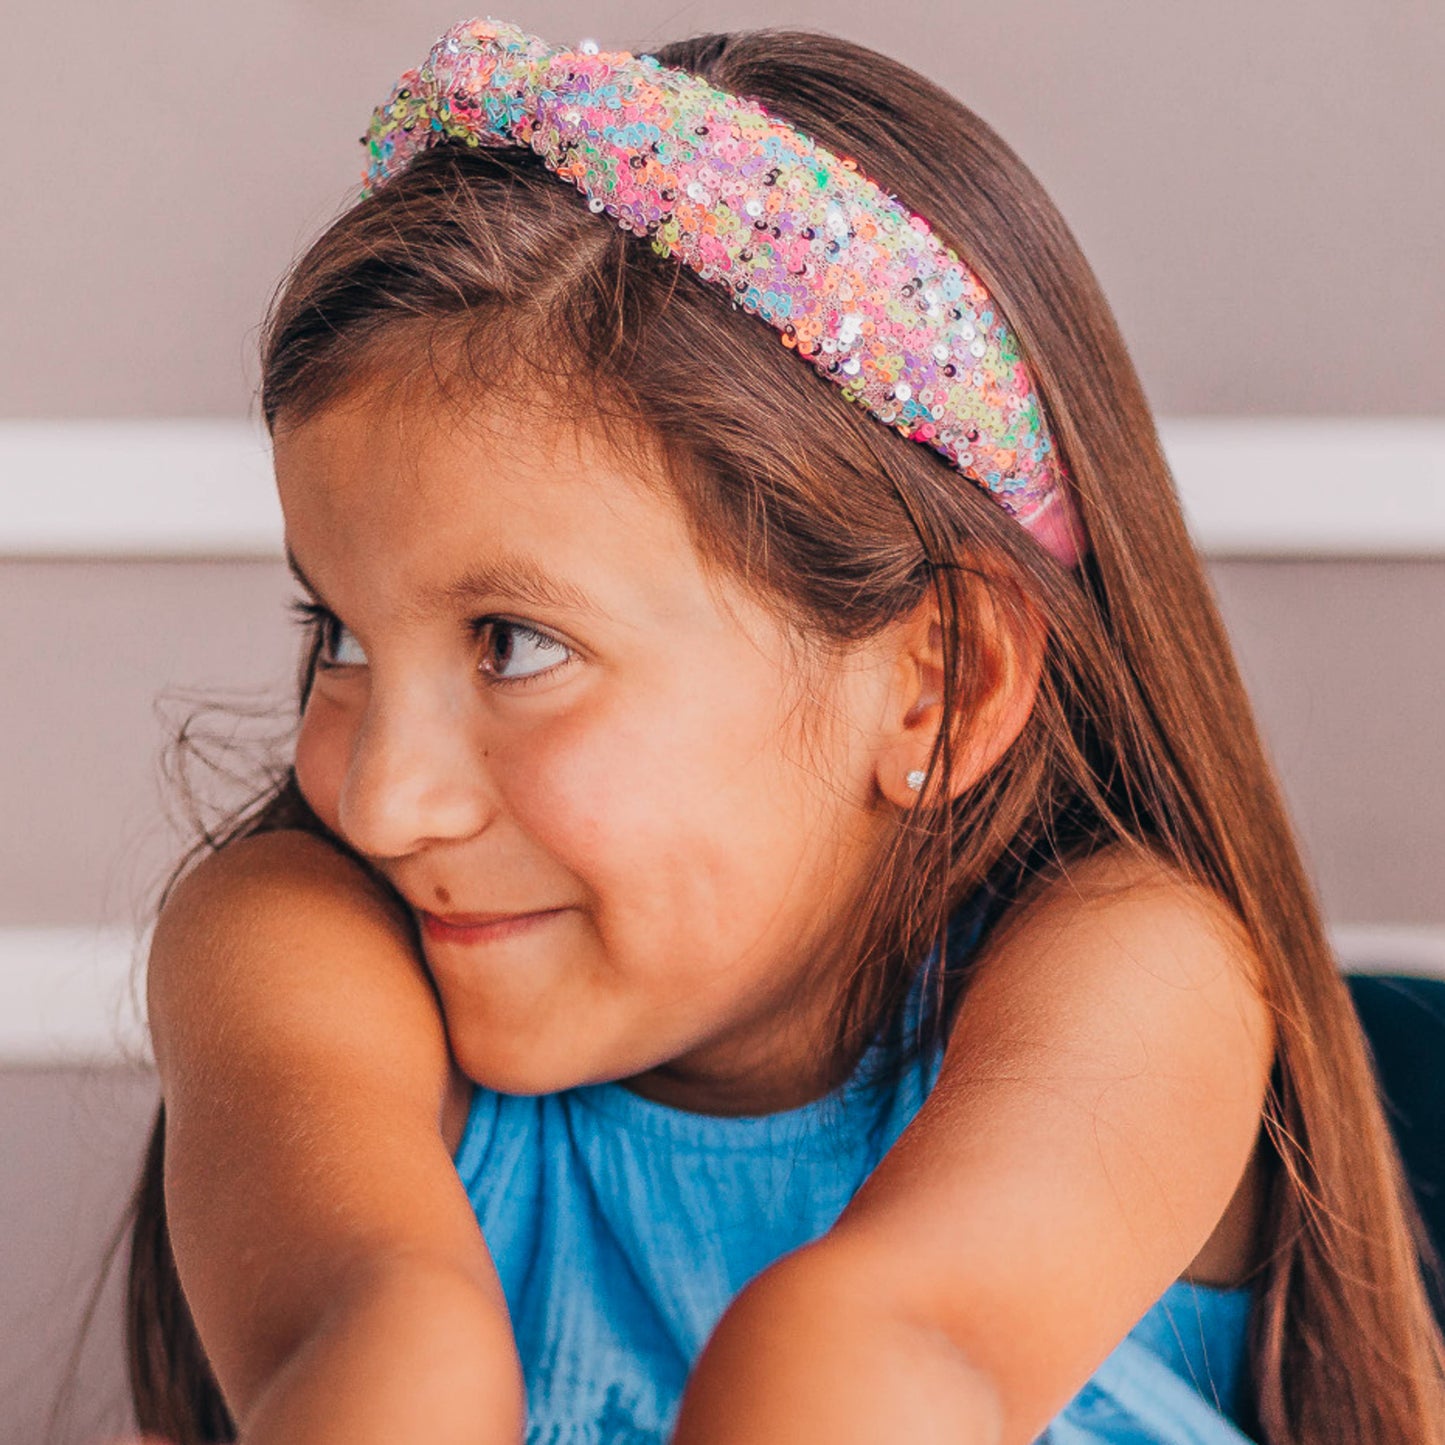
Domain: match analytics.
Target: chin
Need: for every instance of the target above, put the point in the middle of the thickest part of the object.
(506, 1066)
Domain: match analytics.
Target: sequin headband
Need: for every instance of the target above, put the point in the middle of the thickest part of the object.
(854, 281)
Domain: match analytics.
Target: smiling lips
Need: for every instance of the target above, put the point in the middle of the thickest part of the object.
(478, 927)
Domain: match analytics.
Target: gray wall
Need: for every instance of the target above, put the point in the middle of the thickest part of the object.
(70, 1142)
(1251, 182)
(1343, 659)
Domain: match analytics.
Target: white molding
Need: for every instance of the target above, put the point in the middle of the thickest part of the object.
(1251, 486)
(66, 995)
(1311, 486)
(182, 487)
(1381, 948)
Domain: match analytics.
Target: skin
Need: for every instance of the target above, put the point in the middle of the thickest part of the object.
(616, 784)
(1093, 1132)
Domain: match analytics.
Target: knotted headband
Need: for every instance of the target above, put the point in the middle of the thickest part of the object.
(855, 282)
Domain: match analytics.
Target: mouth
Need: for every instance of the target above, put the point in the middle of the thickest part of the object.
(480, 927)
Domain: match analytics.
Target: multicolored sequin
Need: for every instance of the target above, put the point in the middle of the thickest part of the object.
(852, 280)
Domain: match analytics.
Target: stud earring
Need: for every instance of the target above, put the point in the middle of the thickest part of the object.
(915, 778)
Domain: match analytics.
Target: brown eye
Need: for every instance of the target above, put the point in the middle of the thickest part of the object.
(506, 641)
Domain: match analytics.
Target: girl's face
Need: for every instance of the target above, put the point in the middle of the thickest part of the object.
(533, 698)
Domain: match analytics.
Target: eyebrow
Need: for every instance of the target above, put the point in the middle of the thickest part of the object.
(509, 574)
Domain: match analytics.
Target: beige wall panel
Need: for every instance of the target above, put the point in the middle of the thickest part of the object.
(1344, 660)
(71, 1141)
(1252, 182)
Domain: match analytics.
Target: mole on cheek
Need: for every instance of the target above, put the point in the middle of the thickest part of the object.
(443, 896)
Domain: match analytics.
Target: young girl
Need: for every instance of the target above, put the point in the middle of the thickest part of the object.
(779, 927)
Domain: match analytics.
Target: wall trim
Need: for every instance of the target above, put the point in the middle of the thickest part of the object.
(66, 996)
(163, 488)
(66, 993)
(197, 487)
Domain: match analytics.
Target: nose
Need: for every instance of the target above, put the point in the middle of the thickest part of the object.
(416, 774)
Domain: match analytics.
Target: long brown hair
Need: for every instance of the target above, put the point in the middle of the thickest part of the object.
(476, 269)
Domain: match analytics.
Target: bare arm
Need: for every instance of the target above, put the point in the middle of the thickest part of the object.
(816, 1349)
(1100, 1096)
(329, 1254)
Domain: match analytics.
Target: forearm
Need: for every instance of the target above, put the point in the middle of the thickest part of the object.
(811, 1353)
(419, 1354)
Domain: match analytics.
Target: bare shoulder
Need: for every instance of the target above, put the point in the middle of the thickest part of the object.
(1122, 970)
(1099, 1101)
(310, 1099)
(276, 920)
(281, 937)
(1135, 923)
(261, 870)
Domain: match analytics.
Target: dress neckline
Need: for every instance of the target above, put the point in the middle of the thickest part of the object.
(812, 1127)
(817, 1121)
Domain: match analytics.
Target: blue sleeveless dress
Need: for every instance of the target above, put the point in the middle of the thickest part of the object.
(622, 1228)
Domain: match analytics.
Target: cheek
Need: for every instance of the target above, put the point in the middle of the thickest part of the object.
(323, 745)
(685, 822)
(587, 790)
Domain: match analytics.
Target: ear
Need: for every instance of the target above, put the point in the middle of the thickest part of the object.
(1012, 659)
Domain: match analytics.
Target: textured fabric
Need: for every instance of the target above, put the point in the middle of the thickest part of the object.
(622, 1228)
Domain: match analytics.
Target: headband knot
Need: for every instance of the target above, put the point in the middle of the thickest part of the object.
(856, 283)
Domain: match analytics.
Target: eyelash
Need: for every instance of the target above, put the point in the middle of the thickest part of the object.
(314, 618)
